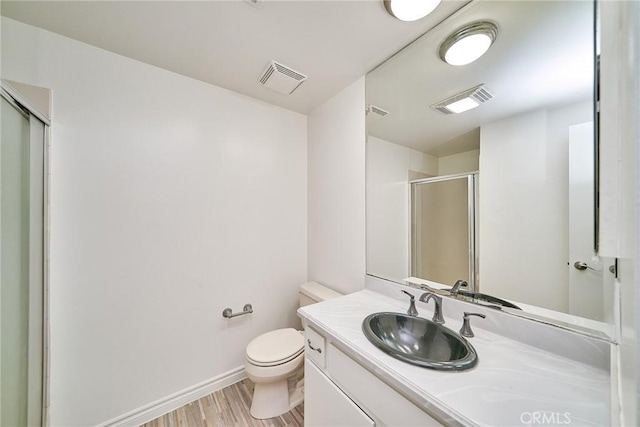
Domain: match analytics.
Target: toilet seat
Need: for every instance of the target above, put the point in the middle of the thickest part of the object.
(275, 347)
(276, 363)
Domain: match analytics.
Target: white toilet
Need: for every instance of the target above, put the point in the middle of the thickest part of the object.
(274, 361)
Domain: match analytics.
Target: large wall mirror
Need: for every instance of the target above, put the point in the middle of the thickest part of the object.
(501, 195)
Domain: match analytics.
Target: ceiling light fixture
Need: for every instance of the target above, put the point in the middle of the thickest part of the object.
(464, 101)
(410, 10)
(468, 43)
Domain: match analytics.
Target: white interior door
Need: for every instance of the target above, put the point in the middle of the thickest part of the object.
(585, 270)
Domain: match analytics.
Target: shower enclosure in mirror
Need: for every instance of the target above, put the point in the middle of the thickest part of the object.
(443, 229)
(531, 140)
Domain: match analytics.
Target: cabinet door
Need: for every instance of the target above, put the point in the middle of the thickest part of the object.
(325, 405)
(386, 405)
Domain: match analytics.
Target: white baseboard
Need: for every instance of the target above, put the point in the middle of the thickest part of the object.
(174, 401)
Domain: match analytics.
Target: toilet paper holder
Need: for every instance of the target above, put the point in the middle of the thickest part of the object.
(228, 313)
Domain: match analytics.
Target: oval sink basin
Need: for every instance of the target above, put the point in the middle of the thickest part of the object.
(419, 341)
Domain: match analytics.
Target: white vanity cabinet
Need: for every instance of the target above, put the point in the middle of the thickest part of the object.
(326, 405)
(512, 380)
(340, 392)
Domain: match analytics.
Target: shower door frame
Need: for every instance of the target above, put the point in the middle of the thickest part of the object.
(472, 215)
(38, 307)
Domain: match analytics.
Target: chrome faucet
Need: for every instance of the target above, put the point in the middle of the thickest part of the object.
(412, 305)
(466, 331)
(437, 311)
(456, 287)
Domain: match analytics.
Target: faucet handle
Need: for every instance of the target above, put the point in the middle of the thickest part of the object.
(457, 285)
(412, 304)
(437, 311)
(466, 331)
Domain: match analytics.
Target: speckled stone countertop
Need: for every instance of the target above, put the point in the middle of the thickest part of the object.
(512, 382)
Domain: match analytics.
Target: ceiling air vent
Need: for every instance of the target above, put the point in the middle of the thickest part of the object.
(470, 98)
(281, 79)
(375, 113)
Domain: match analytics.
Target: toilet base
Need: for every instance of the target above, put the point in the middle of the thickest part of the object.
(275, 398)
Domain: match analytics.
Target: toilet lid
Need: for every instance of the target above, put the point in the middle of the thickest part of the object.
(275, 347)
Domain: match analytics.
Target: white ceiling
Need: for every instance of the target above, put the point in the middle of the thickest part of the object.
(542, 58)
(229, 43)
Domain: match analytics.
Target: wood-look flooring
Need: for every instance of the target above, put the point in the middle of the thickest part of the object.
(228, 407)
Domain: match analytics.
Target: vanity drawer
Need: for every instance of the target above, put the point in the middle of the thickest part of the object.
(314, 346)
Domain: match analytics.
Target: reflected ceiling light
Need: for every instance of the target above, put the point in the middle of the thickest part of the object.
(410, 10)
(469, 43)
(464, 101)
(462, 105)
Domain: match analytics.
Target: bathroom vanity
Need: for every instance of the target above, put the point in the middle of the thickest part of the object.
(528, 373)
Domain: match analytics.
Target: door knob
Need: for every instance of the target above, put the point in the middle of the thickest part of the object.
(581, 265)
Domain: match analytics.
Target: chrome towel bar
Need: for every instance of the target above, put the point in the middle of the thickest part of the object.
(228, 313)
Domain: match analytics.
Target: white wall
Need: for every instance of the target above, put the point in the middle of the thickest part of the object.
(388, 171)
(468, 161)
(171, 200)
(523, 198)
(336, 188)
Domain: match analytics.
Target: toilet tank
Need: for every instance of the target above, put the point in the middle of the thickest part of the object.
(312, 292)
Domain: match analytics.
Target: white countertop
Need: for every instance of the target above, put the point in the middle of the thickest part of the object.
(511, 382)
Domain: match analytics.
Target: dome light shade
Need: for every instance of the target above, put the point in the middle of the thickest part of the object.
(468, 43)
(410, 10)
(468, 49)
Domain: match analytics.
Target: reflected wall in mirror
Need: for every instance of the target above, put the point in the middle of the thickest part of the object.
(531, 143)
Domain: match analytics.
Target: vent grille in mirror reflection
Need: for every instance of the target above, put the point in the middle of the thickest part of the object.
(464, 101)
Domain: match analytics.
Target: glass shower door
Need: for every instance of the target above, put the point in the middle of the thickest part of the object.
(21, 266)
(443, 232)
